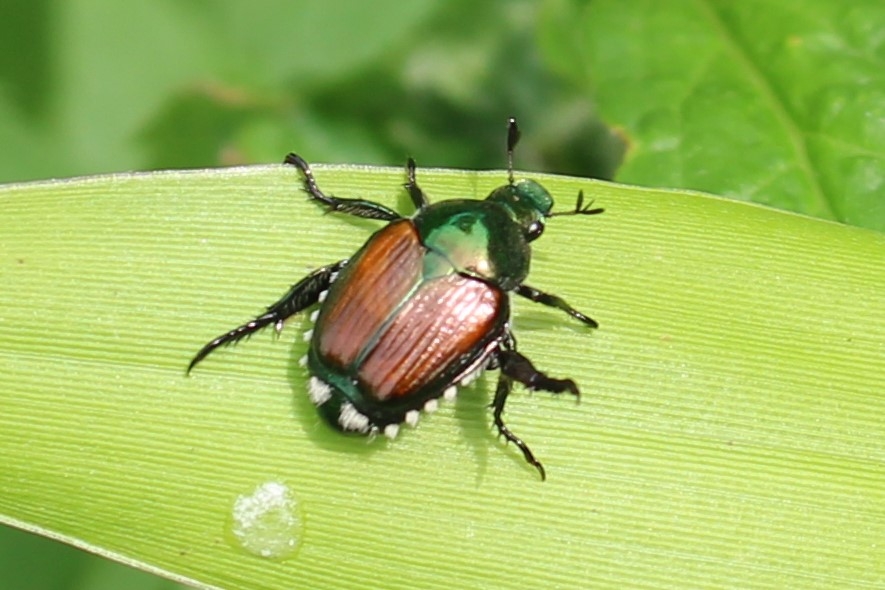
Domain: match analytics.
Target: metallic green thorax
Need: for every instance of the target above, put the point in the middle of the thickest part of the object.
(488, 239)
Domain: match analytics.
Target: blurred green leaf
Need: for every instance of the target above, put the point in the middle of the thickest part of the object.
(25, 72)
(316, 39)
(779, 103)
(24, 558)
(729, 433)
(28, 143)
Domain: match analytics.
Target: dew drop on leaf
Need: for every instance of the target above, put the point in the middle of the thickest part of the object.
(267, 522)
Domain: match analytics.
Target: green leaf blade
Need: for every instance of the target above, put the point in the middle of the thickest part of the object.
(728, 429)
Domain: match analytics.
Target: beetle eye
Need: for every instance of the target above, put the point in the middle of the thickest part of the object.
(534, 230)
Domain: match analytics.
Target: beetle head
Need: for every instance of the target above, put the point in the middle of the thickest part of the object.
(528, 202)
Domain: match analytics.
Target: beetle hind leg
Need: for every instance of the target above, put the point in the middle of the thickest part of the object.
(520, 368)
(505, 384)
(356, 207)
(516, 367)
(300, 296)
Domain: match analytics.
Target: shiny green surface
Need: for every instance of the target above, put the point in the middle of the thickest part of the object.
(478, 238)
(528, 202)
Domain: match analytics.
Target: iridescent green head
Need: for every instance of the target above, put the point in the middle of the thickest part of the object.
(528, 202)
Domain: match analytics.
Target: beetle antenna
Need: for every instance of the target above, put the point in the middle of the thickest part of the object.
(512, 140)
(580, 208)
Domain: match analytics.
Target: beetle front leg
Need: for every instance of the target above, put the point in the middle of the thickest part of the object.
(301, 295)
(356, 207)
(551, 300)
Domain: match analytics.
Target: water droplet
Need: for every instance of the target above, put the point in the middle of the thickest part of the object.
(268, 521)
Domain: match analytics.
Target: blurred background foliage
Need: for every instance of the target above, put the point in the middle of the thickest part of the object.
(783, 104)
(97, 86)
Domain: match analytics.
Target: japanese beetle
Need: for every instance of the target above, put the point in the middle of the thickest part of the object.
(422, 307)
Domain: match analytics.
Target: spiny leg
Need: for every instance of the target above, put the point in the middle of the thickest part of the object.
(516, 367)
(356, 207)
(415, 193)
(519, 368)
(302, 295)
(551, 300)
(501, 393)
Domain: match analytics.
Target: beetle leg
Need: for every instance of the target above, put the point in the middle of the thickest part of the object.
(301, 295)
(519, 368)
(417, 195)
(554, 301)
(356, 207)
(516, 367)
(503, 390)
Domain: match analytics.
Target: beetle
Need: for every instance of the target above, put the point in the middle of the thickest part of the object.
(423, 307)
